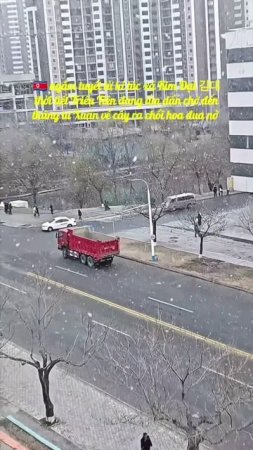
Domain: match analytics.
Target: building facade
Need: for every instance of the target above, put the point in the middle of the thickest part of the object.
(239, 44)
(123, 41)
(14, 40)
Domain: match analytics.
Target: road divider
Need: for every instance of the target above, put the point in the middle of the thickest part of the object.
(144, 317)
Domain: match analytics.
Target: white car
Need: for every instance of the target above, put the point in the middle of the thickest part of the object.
(57, 223)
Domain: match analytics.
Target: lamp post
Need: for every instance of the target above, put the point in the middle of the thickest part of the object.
(150, 217)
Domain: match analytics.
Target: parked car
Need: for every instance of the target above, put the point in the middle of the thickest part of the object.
(180, 201)
(57, 223)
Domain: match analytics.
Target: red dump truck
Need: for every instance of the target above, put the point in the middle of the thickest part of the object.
(89, 247)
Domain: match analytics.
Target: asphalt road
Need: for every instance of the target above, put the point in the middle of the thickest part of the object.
(211, 310)
(219, 313)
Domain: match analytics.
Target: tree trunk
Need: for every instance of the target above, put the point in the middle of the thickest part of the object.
(198, 179)
(34, 191)
(192, 444)
(154, 229)
(201, 245)
(49, 407)
(101, 196)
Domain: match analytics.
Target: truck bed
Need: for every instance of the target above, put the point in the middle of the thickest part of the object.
(92, 235)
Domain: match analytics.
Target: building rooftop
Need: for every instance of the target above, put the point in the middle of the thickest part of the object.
(16, 78)
(239, 38)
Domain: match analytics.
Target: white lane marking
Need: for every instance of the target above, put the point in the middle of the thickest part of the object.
(170, 304)
(110, 328)
(228, 377)
(71, 271)
(12, 287)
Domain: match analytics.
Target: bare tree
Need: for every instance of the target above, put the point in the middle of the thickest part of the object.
(38, 320)
(98, 181)
(196, 161)
(106, 150)
(207, 157)
(86, 175)
(162, 160)
(79, 180)
(246, 218)
(180, 383)
(206, 223)
(30, 161)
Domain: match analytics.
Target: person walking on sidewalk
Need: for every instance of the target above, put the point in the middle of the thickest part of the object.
(51, 209)
(6, 207)
(145, 442)
(79, 214)
(34, 211)
(37, 211)
(10, 208)
(220, 190)
(215, 190)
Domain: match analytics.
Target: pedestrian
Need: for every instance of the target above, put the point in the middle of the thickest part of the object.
(10, 208)
(34, 211)
(37, 211)
(79, 214)
(196, 227)
(145, 442)
(227, 191)
(199, 219)
(6, 207)
(107, 207)
(220, 190)
(214, 190)
(51, 209)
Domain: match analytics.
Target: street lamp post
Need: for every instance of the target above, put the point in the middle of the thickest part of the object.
(150, 217)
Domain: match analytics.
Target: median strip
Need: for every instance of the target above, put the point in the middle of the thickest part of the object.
(145, 317)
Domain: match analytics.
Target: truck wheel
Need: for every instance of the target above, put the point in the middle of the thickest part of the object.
(90, 261)
(83, 259)
(64, 253)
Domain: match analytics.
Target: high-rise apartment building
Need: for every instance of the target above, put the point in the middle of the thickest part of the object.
(123, 41)
(14, 40)
(239, 45)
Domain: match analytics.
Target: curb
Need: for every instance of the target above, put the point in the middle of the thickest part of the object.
(188, 274)
(236, 239)
(223, 236)
(32, 433)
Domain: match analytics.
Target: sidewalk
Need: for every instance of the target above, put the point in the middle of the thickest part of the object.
(24, 217)
(89, 418)
(234, 245)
